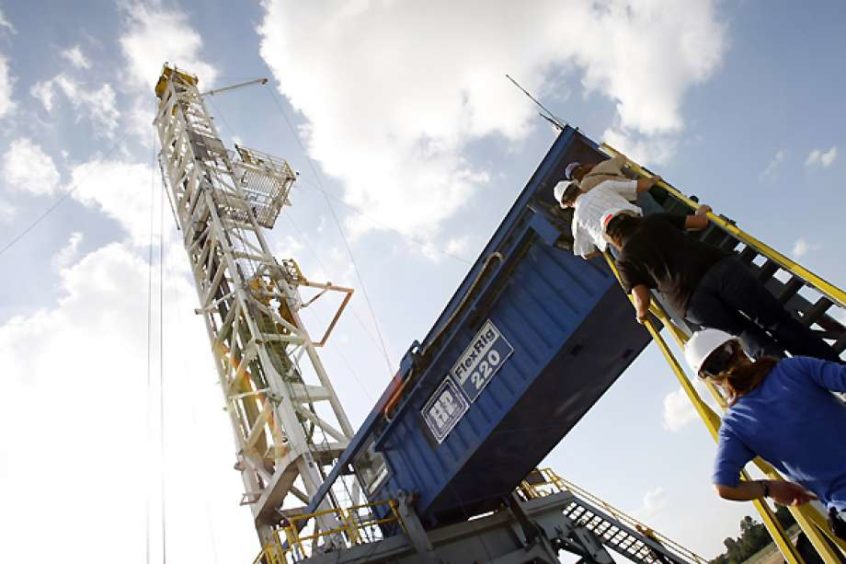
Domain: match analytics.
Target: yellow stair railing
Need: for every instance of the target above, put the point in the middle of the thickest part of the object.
(809, 519)
(812, 522)
(553, 483)
(826, 288)
(290, 544)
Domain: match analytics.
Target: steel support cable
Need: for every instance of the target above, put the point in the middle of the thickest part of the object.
(148, 395)
(344, 359)
(712, 423)
(209, 518)
(354, 313)
(58, 202)
(161, 374)
(421, 244)
(418, 242)
(222, 117)
(317, 177)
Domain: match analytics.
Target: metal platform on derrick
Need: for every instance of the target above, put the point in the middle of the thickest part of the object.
(546, 515)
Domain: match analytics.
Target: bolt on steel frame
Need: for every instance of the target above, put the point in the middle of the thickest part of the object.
(288, 423)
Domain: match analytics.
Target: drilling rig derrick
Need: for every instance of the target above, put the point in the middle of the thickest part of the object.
(288, 423)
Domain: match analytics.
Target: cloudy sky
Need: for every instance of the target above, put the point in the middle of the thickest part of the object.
(411, 146)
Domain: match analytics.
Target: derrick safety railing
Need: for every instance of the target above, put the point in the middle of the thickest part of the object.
(290, 545)
(553, 483)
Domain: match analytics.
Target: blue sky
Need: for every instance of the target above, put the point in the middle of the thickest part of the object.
(421, 145)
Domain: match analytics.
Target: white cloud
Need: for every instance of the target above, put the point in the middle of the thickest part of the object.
(820, 158)
(7, 212)
(26, 167)
(152, 36)
(644, 149)
(458, 245)
(119, 189)
(395, 91)
(51, 353)
(6, 24)
(69, 252)
(155, 35)
(98, 105)
(77, 377)
(654, 501)
(6, 83)
(678, 410)
(44, 93)
(76, 57)
(455, 248)
(801, 247)
(772, 166)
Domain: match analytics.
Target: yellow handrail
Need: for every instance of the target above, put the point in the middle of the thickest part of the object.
(712, 423)
(561, 485)
(809, 519)
(294, 546)
(825, 287)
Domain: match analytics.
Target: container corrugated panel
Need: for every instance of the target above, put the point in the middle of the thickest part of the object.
(519, 355)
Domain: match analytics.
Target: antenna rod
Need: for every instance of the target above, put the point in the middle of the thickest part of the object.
(550, 117)
(234, 86)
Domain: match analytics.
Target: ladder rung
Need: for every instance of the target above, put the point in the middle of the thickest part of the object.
(717, 238)
(767, 271)
(728, 243)
(789, 290)
(813, 315)
(748, 255)
(828, 334)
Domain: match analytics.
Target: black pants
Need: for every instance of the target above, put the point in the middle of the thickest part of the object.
(730, 298)
(837, 523)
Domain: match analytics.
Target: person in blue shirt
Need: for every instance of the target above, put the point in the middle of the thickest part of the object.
(783, 411)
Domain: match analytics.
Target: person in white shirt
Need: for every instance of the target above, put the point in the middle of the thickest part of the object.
(588, 239)
(589, 176)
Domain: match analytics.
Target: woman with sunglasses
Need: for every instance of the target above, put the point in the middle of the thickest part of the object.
(783, 411)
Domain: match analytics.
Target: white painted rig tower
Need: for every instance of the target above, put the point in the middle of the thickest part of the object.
(288, 424)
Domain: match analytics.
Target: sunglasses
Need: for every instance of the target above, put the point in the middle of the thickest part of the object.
(719, 361)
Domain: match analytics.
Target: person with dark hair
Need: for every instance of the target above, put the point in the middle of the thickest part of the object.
(705, 285)
(589, 207)
(783, 411)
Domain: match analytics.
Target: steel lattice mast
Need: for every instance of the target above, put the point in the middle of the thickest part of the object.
(288, 423)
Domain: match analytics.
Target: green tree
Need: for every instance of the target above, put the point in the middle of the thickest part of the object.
(784, 517)
(753, 537)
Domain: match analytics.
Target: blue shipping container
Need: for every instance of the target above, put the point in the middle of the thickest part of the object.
(530, 341)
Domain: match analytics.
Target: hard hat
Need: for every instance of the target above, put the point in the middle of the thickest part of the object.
(568, 172)
(612, 213)
(702, 344)
(559, 190)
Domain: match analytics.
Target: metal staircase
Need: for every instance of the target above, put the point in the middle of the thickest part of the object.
(817, 303)
(614, 528)
(813, 300)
